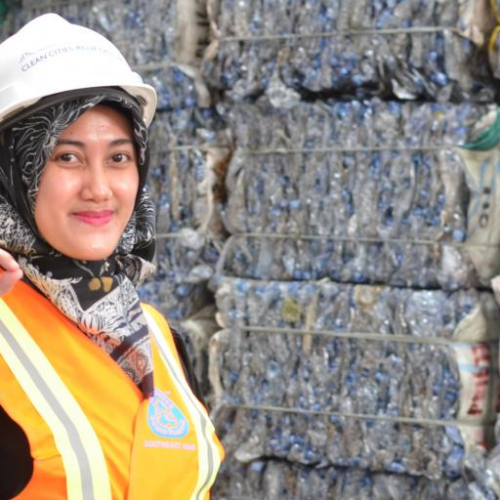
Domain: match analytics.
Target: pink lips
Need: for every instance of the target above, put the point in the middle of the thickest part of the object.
(94, 218)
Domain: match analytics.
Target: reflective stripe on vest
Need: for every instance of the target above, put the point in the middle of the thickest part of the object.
(207, 449)
(82, 455)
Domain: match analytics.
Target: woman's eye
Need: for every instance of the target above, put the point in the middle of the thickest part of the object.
(120, 157)
(66, 157)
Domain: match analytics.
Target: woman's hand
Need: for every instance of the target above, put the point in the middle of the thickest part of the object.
(12, 272)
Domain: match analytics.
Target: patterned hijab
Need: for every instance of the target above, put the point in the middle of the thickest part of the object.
(98, 296)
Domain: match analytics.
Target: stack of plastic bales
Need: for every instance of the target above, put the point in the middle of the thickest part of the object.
(359, 356)
(161, 40)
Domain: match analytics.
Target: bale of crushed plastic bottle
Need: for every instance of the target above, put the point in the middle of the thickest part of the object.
(361, 191)
(186, 163)
(269, 479)
(408, 50)
(186, 167)
(385, 379)
(134, 27)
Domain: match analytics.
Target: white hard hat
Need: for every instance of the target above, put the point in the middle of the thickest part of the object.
(49, 55)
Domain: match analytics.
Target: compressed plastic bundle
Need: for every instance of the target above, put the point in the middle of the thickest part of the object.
(408, 49)
(134, 26)
(186, 153)
(281, 480)
(339, 167)
(185, 262)
(350, 342)
(187, 162)
(432, 451)
(374, 377)
(179, 286)
(176, 299)
(186, 165)
(189, 233)
(377, 192)
(176, 87)
(359, 261)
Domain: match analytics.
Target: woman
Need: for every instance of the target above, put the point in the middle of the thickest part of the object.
(95, 402)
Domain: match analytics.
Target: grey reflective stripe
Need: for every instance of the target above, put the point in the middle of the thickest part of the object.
(74, 436)
(202, 419)
(187, 393)
(210, 456)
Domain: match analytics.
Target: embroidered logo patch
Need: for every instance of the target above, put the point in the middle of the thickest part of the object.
(165, 418)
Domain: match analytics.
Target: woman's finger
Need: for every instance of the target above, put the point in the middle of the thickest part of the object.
(9, 279)
(7, 261)
(12, 272)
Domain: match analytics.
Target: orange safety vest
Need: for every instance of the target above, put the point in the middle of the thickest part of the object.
(91, 433)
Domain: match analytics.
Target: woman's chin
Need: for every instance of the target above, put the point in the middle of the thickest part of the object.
(90, 253)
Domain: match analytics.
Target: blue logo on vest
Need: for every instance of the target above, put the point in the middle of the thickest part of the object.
(165, 418)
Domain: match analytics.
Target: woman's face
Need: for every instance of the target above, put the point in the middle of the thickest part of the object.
(89, 186)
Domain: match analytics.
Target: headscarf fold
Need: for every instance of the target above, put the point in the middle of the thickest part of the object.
(98, 296)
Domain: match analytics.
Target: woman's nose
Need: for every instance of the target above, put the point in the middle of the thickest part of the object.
(97, 185)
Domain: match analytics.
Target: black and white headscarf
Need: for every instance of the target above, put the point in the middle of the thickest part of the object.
(100, 297)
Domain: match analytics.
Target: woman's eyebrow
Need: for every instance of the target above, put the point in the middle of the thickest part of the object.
(70, 142)
(120, 142)
(81, 144)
